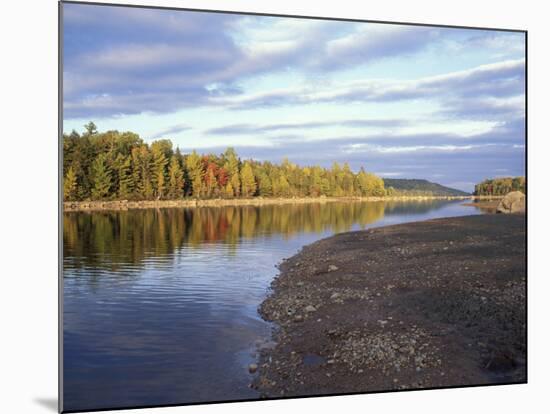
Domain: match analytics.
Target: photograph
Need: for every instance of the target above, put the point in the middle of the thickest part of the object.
(265, 206)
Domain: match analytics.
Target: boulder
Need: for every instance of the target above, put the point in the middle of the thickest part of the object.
(513, 202)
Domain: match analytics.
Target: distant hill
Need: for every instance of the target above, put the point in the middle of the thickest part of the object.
(421, 187)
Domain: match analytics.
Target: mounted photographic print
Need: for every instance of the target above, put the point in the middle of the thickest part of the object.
(265, 206)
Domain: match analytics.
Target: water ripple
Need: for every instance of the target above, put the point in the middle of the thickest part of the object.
(167, 314)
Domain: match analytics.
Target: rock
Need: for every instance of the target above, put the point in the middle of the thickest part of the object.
(513, 202)
(332, 268)
(310, 308)
(252, 368)
(334, 296)
(267, 345)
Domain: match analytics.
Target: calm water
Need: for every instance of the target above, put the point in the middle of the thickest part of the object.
(160, 306)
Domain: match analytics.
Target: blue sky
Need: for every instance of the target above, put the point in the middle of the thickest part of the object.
(442, 104)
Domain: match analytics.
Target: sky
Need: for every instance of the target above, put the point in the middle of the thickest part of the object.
(443, 104)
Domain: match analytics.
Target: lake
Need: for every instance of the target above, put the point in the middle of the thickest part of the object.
(160, 306)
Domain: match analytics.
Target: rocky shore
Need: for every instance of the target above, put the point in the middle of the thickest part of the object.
(426, 304)
(218, 202)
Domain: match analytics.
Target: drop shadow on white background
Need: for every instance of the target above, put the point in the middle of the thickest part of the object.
(47, 402)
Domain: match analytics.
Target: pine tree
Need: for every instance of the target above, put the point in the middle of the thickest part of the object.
(125, 177)
(264, 186)
(248, 182)
(159, 172)
(284, 186)
(91, 128)
(316, 182)
(70, 185)
(175, 179)
(347, 180)
(102, 176)
(229, 191)
(143, 172)
(232, 167)
(194, 167)
(336, 180)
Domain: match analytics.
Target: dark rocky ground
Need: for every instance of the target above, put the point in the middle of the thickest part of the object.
(425, 304)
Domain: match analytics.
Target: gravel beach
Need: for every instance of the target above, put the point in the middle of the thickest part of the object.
(418, 305)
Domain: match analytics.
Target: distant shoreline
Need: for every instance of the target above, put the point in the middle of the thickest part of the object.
(73, 206)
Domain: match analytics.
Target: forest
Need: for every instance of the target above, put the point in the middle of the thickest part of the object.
(414, 187)
(115, 165)
(501, 186)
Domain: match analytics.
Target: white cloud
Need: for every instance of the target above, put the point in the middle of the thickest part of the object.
(491, 80)
(365, 147)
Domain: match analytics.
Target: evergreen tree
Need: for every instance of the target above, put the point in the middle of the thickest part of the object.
(229, 191)
(248, 182)
(125, 177)
(159, 172)
(315, 189)
(194, 167)
(284, 186)
(335, 180)
(143, 172)
(102, 176)
(265, 188)
(90, 128)
(175, 179)
(363, 183)
(347, 180)
(70, 185)
(232, 167)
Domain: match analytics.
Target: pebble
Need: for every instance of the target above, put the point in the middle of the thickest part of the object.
(252, 368)
(310, 308)
(332, 268)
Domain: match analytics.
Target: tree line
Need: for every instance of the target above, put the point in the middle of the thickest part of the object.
(500, 186)
(114, 165)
